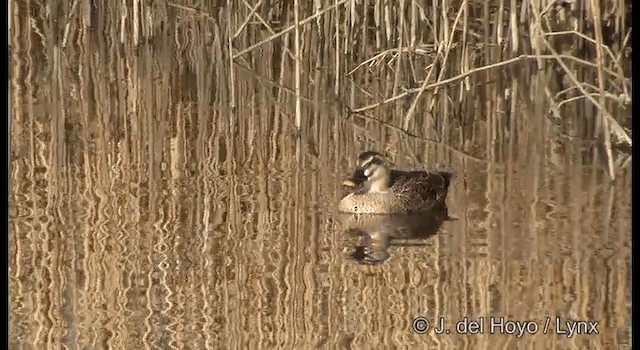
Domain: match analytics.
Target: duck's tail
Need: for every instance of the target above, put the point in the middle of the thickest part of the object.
(447, 175)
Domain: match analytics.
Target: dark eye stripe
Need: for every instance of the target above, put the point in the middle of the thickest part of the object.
(371, 161)
(367, 155)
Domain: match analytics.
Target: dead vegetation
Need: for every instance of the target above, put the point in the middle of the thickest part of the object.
(429, 61)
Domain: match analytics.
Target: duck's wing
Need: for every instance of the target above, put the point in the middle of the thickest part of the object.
(403, 175)
(430, 186)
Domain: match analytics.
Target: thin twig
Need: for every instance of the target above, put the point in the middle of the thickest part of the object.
(378, 57)
(601, 45)
(252, 12)
(424, 139)
(443, 82)
(290, 28)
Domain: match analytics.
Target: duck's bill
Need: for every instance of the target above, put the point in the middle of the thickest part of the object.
(356, 179)
(349, 183)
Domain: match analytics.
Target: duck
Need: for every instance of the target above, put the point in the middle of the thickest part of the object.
(378, 189)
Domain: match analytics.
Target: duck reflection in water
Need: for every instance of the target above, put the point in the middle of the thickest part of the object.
(378, 233)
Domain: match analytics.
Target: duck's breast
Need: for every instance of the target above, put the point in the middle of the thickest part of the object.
(372, 203)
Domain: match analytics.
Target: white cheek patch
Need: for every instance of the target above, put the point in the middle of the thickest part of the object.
(368, 172)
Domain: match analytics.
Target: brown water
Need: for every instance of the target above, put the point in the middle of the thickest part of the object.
(144, 213)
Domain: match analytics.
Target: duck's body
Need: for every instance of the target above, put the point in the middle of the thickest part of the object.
(410, 192)
(386, 191)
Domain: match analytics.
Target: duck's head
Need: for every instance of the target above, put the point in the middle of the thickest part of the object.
(364, 160)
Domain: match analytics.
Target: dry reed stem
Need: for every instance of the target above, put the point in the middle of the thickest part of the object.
(336, 88)
(232, 93)
(387, 20)
(604, 133)
(396, 78)
(298, 56)
(515, 38)
(500, 20)
(67, 27)
(464, 60)
(136, 20)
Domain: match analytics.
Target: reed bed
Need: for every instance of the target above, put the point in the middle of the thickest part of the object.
(435, 58)
(425, 51)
